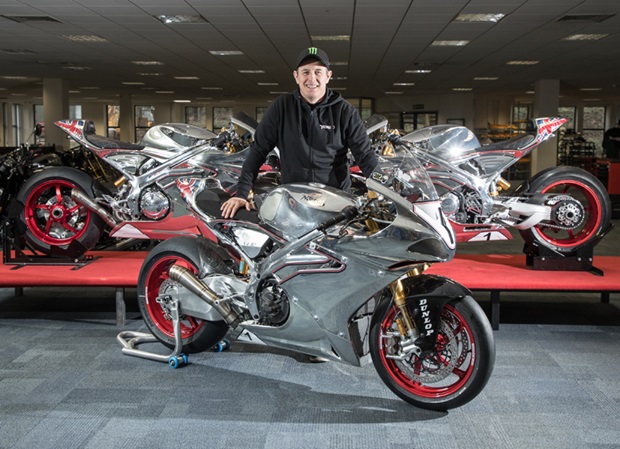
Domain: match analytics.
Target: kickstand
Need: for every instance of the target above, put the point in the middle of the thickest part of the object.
(131, 339)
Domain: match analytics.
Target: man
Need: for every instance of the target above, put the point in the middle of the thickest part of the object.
(313, 128)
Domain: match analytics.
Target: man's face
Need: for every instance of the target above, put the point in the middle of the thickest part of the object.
(312, 79)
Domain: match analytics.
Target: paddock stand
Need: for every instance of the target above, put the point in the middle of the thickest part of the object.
(131, 339)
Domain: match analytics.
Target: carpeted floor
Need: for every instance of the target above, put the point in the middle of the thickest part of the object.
(64, 383)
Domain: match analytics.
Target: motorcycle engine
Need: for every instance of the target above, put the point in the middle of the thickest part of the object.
(154, 204)
(273, 303)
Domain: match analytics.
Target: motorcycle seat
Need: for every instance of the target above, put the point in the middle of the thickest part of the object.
(110, 144)
(210, 200)
(516, 143)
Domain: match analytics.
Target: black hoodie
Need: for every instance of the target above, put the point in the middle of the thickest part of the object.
(313, 141)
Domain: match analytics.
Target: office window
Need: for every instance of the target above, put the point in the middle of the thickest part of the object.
(196, 115)
(594, 125)
(112, 117)
(144, 120)
(221, 118)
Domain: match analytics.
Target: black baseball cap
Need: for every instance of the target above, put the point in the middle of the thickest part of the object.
(312, 53)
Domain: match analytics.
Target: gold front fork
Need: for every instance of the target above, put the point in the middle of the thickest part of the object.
(405, 323)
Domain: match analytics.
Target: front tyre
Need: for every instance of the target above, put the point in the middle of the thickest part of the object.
(588, 222)
(450, 375)
(154, 283)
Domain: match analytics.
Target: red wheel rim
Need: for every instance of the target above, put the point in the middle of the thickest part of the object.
(593, 212)
(156, 276)
(49, 210)
(455, 379)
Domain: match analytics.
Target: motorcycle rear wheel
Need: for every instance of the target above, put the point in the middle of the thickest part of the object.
(586, 189)
(193, 254)
(52, 221)
(457, 369)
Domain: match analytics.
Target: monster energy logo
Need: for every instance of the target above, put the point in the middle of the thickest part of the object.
(312, 50)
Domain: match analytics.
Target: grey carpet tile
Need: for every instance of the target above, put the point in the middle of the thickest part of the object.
(64, 384)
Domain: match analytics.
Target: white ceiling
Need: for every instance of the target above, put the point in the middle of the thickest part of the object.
(387, 38)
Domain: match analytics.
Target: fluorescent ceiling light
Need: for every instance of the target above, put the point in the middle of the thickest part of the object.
(211, 88)
(173, 20)
(76, 67)
(462, 89)
(584, 37)
(339, 78)
(479, 17)
(147, 62)
(278, 93)
(590, 89)
(133, 83)
(404, 84)
(268, 84)
(150, 73)
(84, 38)
(486, 78)
(522, 62)
(340, 37)
(18, 51)
(251, 71)
(338, 63)
(186, 78)
(226, 52)
(418, 71)
(182, 101)
(393, 93)
(74, 91)
(591, 99)
(164, 91)
(15, 77)
(449, 43)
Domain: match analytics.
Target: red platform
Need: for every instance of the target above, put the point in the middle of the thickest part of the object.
(494, 273)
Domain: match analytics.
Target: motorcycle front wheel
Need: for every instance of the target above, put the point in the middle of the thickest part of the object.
(449, 376)
(154, 282)
(53, 222)
(582, 187)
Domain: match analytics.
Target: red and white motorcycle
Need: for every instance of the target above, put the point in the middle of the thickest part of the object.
(65, 211)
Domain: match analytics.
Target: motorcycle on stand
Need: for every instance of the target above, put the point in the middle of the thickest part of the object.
(140, 192)
(16, 166)
(323, 272)
(561, 212)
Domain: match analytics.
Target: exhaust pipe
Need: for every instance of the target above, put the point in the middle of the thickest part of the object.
(81, 198)
(187, 279)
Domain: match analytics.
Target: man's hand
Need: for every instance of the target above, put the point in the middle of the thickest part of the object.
(231, 206)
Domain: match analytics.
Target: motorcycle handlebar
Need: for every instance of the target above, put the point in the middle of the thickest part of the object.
(221, 139)
(346, 214)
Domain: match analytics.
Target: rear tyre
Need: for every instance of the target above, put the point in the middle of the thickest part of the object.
(52, 221)
(453, 373)
(591, 220)
(195, 255)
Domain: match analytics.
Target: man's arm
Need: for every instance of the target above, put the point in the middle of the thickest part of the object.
(359, 143)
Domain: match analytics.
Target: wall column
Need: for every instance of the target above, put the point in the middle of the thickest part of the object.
(546, 103)
(125, 119)
(55, 107)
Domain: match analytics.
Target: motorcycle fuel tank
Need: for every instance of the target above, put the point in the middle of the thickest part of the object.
(295, 209)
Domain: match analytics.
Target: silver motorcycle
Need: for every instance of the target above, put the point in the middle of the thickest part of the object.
(326, 273)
